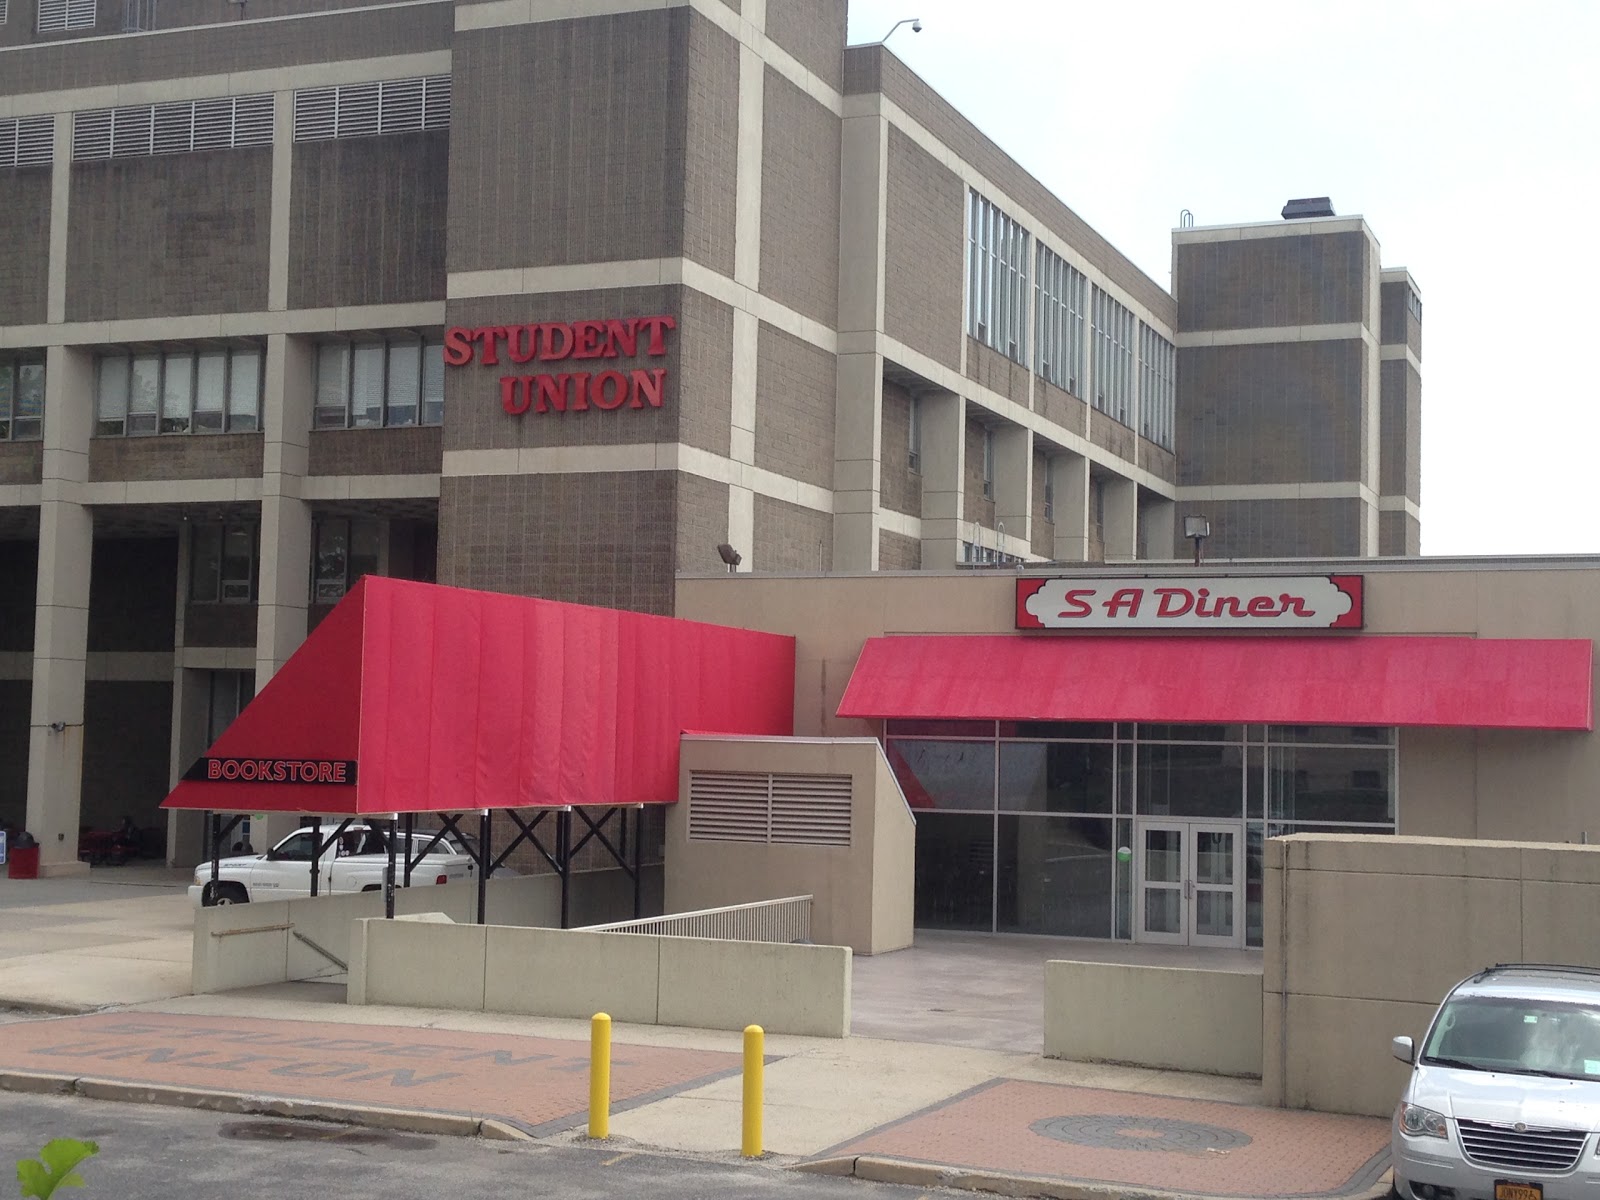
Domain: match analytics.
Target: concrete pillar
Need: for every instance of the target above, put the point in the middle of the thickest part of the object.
(1013, 486)
(944, 445)
(858, 432)
(1158, 527)
(191, 713)
(1070, 493)
(61, 629)
(1121, 529)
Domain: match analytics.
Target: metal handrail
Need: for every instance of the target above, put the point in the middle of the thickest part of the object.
(783, 920)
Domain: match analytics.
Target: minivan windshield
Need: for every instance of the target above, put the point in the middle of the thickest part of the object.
(1516, 1035)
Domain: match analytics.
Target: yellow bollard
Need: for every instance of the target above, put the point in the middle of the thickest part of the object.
(753, 1066)
(600, 1076)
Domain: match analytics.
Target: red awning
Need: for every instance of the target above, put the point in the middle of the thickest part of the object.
(1475, 682)
(437, 699)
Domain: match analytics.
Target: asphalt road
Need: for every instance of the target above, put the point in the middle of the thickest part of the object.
(149, 1152)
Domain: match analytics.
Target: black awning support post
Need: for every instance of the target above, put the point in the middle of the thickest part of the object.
(318, 845)
(638, 859)
(214, 823)
(483, 867)
(411, 822)
(564, 859)
(388, 874)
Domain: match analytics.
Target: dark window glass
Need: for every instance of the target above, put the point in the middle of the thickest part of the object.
(1329, 783)
(1056, 777)
(955, 871)
(238, 564)
(1094, 731)
(298, 847)
(205, 564)
(1191, 781)
(363, 550)
(1054, 876)
(962, 729)
(954, 775)
(333, 556)
(1252, 884)
(1191, 733)
(1335, 735)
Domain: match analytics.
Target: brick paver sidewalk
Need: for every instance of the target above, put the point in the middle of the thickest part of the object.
(538, 1084)
(1088, 1135)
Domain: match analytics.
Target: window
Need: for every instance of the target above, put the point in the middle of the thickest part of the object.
(914, 435)
(1414, 305)
(1049, 494)
(1058, 322)
(222, 564)
(345, 549)
(1157, 391)
(174, 128)
(26, 141)
(215, 390)
(1113, 358)
(368, 109)
(367, 385)
(988, 464)
(58, 16)
(21, 399)
(997, 279)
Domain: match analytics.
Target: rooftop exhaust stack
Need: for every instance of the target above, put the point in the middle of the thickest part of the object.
(1308, 206)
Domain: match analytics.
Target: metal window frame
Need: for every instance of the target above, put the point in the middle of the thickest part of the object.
(13, 363)
(219, 578)
(192, 355)
(388, 340)
(323, 521)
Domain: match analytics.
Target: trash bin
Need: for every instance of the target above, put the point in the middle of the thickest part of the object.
(22, 861)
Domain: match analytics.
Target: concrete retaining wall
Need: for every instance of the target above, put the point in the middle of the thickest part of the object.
(1364, 935)
(696, 982)
(1167, 1017)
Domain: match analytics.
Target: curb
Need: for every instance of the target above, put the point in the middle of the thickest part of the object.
(46, 1008)
(932, 1175)
(399, 1120)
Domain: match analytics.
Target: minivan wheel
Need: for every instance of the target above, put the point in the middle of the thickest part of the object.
(223, 893)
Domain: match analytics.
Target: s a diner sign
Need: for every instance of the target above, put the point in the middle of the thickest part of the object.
(1301, 602)
(579, 377)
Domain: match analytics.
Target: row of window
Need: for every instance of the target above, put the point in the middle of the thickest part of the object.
(21, 399)
(1158, 386)
(997, 278)
(1113, 358)
(223, 558)
(366, 385)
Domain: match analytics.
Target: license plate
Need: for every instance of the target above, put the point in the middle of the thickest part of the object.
(1518, 1191)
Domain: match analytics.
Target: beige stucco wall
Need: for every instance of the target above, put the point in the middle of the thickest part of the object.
(1452, 782)
(863, 893)
(1364, 935)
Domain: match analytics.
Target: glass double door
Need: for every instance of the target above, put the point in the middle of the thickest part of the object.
(1188, 887)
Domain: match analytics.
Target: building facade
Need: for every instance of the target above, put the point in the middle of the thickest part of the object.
(533, 298)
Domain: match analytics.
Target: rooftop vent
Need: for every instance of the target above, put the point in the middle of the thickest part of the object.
(1308, 206)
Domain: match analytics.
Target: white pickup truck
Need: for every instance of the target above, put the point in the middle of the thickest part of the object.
(355, 863)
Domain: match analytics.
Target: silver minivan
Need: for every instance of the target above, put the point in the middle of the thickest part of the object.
(1503, 1102)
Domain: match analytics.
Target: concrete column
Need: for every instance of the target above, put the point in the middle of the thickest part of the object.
(747, 272)
(282, 201)
(1013, 484)
(858, 431)
(944, 445)
(61, 629)
(1121, 527)
(1070, 492)
(1158, 527)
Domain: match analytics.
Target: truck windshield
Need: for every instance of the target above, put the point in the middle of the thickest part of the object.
(1517, 1035)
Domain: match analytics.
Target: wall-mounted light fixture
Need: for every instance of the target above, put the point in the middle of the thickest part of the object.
(730, 556)
(1197, 530)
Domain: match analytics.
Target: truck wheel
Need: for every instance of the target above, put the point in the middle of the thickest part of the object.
(224, 893)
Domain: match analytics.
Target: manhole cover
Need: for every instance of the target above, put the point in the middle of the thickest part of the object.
(1107, 1131)
(307, 1131)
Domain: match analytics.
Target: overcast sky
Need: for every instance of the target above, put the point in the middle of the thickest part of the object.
(1465, 133)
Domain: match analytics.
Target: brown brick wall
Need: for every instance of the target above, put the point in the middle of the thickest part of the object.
(997, 372)
(1279, 528)
(703, 524)
(977, 510)
(796, 391)
(367, 220)
(924, 255)
(1313, 279)
(1062, 408)
(711, 147)
(1399, 533)
(24, 245)
(228, 47)
(698, 363)
(16, 704)
(170, 235)
(567, 141)
(1158, 460)
(1398, 323)
(1111, 434)
(133, 593)
(1400, 430)
(604, 538)
(813, 31)
(21, 462)
(873, 68)
(127, 733)
(176, 456)
(900, 486)
(1283, 413)
(407, 451)
(790, 538)
(220, 624)
(1042, 540)
(19, 581)
(799, 201)
(897, 552)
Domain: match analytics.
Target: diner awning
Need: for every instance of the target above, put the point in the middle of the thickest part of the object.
(1485, 683)
(409, 697)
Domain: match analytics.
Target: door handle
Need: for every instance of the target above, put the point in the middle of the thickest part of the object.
(1188, 889)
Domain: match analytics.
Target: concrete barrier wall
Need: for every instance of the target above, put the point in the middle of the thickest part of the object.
(696, 982)
(1364, 935)
(1167, 1017)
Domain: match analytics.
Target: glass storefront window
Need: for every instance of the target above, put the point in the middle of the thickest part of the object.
(953, 729)
(1330, 783)
(955, 871)
(1061, 777)
(948, 775)
(1054, 876)
(1335, 735)
(1083, 731)
(1190, 781)
(1191, 733)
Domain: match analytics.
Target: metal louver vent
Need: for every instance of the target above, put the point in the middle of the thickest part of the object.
(27, 141)
(365, 109)
(3, 12)
(91, 134)
(57, 16)
(253, 119)
(173, 128)
(436, 102)
(777, 809)
(358, 110)
(400, 105)
(131, 131)
(314, 113)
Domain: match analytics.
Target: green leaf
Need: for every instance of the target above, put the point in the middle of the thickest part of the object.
(55, 1170)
